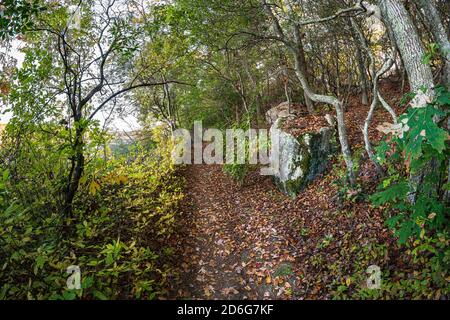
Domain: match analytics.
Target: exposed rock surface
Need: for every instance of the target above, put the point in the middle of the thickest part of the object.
(280, 111)
(301, 158)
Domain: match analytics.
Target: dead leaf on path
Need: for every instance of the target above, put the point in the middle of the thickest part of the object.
(208, 290)
(230, 290)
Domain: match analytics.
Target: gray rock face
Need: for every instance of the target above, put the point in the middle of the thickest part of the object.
(301, 159)
(280, 111)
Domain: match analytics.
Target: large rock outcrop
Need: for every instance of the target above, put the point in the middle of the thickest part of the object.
(303, 157)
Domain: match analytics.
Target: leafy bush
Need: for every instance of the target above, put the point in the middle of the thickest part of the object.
(239, 171)
(417, 149)
(348, 193)
(423, 282)
(124, 213)
(413, 194)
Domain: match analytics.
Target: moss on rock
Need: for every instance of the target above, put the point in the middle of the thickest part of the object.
(303, 158)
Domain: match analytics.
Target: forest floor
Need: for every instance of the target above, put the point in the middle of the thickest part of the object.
(253, 242)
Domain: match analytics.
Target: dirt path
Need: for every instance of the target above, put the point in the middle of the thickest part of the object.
(231, 249)
(252, 242)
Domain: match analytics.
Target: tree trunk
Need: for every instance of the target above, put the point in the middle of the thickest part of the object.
(76, 171)
(408, 42)
(419, 75)
(337, 70)
(362, 73)
(436, 26)
(258, 94)
(170, 107)
(304, 69)
(287, 92)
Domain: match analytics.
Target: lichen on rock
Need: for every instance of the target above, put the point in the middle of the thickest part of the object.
(301, 158)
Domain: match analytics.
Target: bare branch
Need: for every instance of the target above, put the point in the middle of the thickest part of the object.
(141, 85)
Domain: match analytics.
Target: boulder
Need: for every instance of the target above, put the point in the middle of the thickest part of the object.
(301, 158)
(280, 111)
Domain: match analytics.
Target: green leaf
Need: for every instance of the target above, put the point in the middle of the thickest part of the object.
(436, 137)
(391, 194)
(442, 96)
(5, 175)
(393, 221)
(39, 263)
(87, 282)
(69, 295)
(424, 129)
(406, 230)
(99, 295)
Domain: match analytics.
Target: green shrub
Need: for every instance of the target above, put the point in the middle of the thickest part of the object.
(123, 215)
(417, 211)
(236, 170)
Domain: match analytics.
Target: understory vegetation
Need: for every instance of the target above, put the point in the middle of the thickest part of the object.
(83, 189)
(116, 236)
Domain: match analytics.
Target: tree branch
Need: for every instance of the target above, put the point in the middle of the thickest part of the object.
(141, 85)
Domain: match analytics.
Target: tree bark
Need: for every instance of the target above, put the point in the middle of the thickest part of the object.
(362, 72)
(408, 42)
(304, 69)
(420, 75)
(77, 168)
(259, 98)
(436, 26)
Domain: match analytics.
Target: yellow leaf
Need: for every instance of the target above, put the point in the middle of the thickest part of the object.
(268, 280)
(207, 292)
(348, 282)
(94, 187)
(122, 179)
